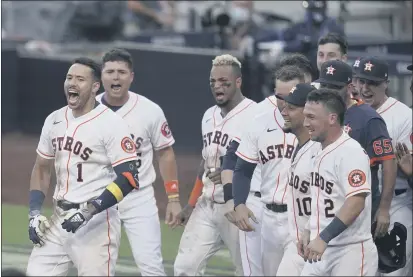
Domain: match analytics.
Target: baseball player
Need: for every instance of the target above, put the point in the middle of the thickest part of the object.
(373, 79)
(340, 223)
(250, 242)
(150, 131)
(95, 168)
(332, 46)
(355, 93)
(368, 128)
(299, 195)
(207, 229)
(264, 142)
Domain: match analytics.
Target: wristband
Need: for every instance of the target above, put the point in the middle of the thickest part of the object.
(171, 187)
(335, 228)
(36, 199)
(227, 192)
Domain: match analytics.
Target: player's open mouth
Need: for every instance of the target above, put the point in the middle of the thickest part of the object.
(367, 96)
(116, 88)
(219, 95)
(73, 97)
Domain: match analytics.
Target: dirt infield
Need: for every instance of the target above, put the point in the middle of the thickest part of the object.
(18, 154)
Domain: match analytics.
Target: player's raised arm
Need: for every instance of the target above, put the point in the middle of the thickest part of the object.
(40, 182)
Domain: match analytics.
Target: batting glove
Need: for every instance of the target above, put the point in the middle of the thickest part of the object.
(76, 219)
(38, 224)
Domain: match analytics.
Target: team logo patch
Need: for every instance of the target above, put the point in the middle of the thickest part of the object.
(356, 178)
(166, 132)
(330, 70)
(128, 145)
(368, 66)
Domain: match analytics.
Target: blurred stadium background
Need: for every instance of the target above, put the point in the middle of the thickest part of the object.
(172, 49)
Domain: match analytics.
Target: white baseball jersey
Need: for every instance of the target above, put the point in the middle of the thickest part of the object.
(398, 118)
(217, 133)
(299, 198)
(265, 143)
(266, 104)
(340, 171)
(149, 129)
(85, 151)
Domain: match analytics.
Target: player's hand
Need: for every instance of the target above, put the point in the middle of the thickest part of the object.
(76, 219)
(404, 158)
(214, 174)
(173, 209)
(229, 211)
(303, 241)
(184, 215)
(315, 250)
(38, 224)
(242, 216)
(382, 219)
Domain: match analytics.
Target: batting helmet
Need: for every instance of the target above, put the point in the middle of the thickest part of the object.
(392, 248)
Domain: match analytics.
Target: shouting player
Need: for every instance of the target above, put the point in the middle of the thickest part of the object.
(373, 79)
(95, 168)
(250, 242)
(368, 128)
(264, 142)
(299, 195)
(340, 221)
(150, 131)
(207, 229)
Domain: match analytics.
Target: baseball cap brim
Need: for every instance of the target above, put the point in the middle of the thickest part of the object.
(330, 82)
(360, 75)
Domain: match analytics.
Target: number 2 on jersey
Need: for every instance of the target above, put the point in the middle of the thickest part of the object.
(304, 207)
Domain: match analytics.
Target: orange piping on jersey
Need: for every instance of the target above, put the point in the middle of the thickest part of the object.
(122, 160)
(276, 188)
(164, 145)
(382, 158)
(237, 138)
(70, 153)
(362, 259)
(363, 189)
(286, 185)
(67, 121)
(278, 178)
(107, 219)
(222, 127)
(136, 101)
(45, 154)
(318, 191)
(255, 160)
(269, 99)
(388, 107)
(246, 253)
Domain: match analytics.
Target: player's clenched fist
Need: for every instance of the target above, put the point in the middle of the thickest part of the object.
(314, 250)
(185, 214)
(38, 224)
(76, 219)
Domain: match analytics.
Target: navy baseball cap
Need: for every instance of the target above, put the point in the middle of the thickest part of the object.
(335, 72)
(373, 69)
(410, 67)
(298, 94)
(356, 66)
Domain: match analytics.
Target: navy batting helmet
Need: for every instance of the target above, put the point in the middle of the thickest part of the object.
(392, 248)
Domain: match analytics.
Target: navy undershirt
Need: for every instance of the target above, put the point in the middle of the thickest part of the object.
(113, 108)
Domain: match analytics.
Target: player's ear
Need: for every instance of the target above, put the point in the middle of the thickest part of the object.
(96, 87)
(344, 58)
(333, 118)
(238, 82)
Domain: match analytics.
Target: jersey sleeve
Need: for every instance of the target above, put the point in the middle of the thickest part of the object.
(45, 147)
(120, 147)
(248, 145)
(379, 147)
(354, 172)
(406, 135)
(161, 134)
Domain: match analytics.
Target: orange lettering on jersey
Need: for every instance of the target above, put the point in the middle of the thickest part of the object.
(356, 178)
(69, 144)
(165, 130)
(128, 145)
(276, 151)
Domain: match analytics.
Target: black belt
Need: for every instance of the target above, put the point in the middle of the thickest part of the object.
(276, 208)
(65, 205)
(397, 192)
(257, 194)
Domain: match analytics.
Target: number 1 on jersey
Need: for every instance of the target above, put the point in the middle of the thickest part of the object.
(79, 172)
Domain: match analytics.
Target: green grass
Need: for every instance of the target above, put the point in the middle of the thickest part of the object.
(14, 232)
